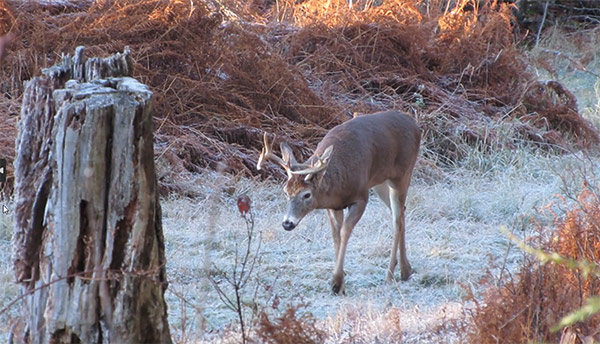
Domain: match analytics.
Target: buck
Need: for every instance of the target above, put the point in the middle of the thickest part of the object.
(376, 151)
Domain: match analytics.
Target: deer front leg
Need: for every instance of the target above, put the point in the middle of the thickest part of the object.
(355, 212)
(336, 218)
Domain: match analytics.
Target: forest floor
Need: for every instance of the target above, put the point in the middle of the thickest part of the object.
(454, 241)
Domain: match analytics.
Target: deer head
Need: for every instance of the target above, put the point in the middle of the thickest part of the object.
(302, 185)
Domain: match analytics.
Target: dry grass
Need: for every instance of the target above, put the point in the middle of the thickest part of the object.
(8, 289)
(525, 308)
(289, 328)
(572, 58)
(224, 72)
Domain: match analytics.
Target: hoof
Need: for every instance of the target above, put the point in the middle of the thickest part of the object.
(338, 286)
(405, 274)
(338, 289)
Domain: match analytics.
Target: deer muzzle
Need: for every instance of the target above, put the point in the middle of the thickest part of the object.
(288, 225)
(296, 210)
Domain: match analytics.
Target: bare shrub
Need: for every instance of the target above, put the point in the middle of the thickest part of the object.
(238, 279)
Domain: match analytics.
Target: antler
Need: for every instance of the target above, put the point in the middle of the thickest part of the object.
(267, 153)
(321, 164)
(289, 163)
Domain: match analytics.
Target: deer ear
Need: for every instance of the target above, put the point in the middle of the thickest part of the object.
(287, 154)
(322, 163)
(326, 155)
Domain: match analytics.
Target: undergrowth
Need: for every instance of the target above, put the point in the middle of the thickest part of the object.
(224, 72)
(289, 328)
(529, 305)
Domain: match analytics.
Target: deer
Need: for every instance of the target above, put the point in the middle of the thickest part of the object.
(373, 151)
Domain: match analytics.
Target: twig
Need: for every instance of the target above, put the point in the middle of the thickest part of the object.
(537, 37)
(242, 271)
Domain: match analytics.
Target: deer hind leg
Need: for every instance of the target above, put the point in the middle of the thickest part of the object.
(397, 205)
(336, 219)
(354, 214)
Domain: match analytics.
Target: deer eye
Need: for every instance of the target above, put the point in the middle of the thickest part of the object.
(307, 195)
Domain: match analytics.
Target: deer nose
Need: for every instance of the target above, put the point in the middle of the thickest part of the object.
(288, 225)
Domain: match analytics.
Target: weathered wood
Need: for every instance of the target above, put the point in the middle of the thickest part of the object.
(89, 249)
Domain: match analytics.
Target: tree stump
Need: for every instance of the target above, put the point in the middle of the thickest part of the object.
(88, 241)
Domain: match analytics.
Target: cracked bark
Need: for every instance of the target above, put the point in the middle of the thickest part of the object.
(88, 242)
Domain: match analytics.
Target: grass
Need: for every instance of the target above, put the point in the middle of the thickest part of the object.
(452, 233)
